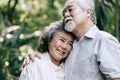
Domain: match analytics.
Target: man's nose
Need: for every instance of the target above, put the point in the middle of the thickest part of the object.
(66, 14)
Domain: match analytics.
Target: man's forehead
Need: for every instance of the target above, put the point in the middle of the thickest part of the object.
(69, 3)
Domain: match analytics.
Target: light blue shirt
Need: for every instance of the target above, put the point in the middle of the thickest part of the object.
(96, 56)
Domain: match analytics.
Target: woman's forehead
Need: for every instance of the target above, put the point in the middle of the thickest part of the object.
(61, 33)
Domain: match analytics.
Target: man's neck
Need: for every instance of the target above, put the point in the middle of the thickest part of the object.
(81, 30)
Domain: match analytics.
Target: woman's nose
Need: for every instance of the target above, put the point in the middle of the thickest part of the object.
(64, 46)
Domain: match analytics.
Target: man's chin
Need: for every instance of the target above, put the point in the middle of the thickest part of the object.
(68, 29)
(70, 26)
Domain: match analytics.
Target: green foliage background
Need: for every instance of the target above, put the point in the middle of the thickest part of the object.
(22, 22)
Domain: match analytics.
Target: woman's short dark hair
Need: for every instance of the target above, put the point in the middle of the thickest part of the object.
(49, 33)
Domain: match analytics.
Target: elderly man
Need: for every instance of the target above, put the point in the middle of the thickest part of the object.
(95, 54)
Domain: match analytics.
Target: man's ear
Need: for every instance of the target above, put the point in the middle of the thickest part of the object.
(89, 11)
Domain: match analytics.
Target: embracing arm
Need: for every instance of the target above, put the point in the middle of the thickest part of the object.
(32, 71)
(30, 56)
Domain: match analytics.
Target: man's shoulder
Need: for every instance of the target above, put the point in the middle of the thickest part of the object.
(105, 36)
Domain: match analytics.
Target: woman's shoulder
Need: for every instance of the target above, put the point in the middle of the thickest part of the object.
(32, 70)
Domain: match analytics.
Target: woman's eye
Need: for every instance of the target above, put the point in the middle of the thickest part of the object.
(71, 44)
(62, 40)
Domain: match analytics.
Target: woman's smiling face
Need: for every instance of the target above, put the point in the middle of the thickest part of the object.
(60, 46)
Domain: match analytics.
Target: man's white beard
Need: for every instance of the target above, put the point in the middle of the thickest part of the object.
(70, 26)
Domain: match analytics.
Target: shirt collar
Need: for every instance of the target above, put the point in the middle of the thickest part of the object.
(58, 68)
(91, 33)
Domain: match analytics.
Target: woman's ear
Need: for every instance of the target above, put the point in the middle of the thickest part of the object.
(48, 42)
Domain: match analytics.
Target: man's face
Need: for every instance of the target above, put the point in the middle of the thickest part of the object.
(73, 15)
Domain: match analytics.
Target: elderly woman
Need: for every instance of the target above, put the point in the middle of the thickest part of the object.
(55, 46)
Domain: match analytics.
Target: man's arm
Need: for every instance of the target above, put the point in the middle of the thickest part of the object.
(30, 56)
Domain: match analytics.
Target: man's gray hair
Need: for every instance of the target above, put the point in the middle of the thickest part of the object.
(88, 4)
